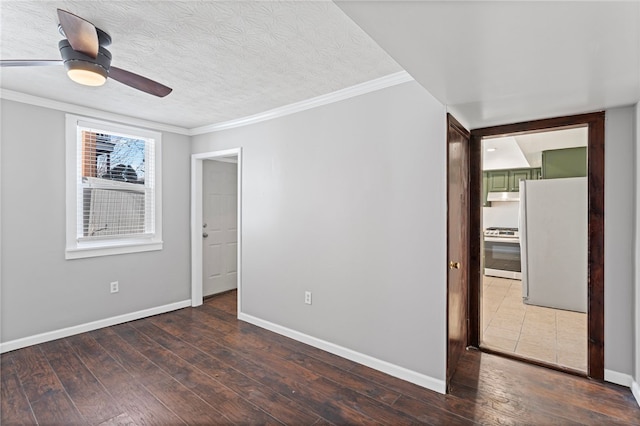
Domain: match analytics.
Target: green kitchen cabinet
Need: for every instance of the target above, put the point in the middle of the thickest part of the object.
(515, 176)
(485, 189)
(536, 173)
(498, 180)
(564, 163)
(507, 180)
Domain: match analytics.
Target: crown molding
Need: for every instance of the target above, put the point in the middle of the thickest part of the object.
(340, 95)
(81, 110)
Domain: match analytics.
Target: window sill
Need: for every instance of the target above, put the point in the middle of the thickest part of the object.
(85, 250)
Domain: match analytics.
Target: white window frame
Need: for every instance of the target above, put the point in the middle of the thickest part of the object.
(76, 247)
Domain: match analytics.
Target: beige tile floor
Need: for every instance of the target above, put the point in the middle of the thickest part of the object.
(544, 334)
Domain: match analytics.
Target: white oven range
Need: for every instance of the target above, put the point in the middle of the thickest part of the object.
(502, 253)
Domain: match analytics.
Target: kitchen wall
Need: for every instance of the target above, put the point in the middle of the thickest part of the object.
(348, 201)
(501, 213)
(43, 292)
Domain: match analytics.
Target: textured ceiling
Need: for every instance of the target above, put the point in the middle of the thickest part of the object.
(224, 59)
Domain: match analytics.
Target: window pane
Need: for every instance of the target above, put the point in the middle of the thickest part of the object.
(111, 208)
(113, 157)
(114, 212)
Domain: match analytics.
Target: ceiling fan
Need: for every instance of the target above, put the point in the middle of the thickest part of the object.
(86, 58)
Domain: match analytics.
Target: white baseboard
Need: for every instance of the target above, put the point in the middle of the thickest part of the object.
(621, 379)
(635, 389)
(419, 379)
(90, 326)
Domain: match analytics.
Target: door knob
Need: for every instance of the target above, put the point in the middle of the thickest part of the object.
(205, 235)
(454, 265)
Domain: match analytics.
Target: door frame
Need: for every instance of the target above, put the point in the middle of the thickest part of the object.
(595, 175)
(196, 220)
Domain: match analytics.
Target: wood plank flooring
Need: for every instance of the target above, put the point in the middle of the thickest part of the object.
(203, 366)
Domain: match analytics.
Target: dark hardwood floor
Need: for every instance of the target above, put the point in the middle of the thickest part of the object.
(203, 366)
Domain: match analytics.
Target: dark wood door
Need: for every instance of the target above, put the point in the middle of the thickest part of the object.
(457, 242)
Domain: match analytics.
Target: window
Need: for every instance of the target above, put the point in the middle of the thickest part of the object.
(113, 189)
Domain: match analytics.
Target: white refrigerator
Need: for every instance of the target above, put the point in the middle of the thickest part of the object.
(553, 242)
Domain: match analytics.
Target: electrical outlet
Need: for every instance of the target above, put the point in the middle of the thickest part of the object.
(114, 287)
(307, 297)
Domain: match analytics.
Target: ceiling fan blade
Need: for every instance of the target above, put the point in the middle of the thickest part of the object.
(139, 82)
(29, 62)
(82, 34)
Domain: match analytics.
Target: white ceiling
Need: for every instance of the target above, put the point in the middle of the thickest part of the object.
(509, 61)
(224, 60)
(525, 150)
(488, 62)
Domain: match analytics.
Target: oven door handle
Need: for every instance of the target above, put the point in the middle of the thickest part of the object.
(502, 240)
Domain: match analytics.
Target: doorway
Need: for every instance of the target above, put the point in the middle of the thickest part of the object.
(534, 279)
(594, 123)
(219, 225)
(216, 231)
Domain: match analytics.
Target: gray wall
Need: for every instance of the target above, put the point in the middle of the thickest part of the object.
(637, 253)
(41, 291)
(619, 240)
(307, 213)
(348, 201)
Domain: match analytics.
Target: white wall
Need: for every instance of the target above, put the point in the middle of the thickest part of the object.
(502, 214)
(619, 213)
(348, 201)
(43, 292)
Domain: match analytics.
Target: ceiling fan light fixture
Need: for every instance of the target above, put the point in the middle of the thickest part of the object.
(86, 73)
(84, 69)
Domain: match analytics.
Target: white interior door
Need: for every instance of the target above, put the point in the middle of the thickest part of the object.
(219, 226)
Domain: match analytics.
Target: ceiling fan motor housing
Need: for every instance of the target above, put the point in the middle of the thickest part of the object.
(76, 60)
